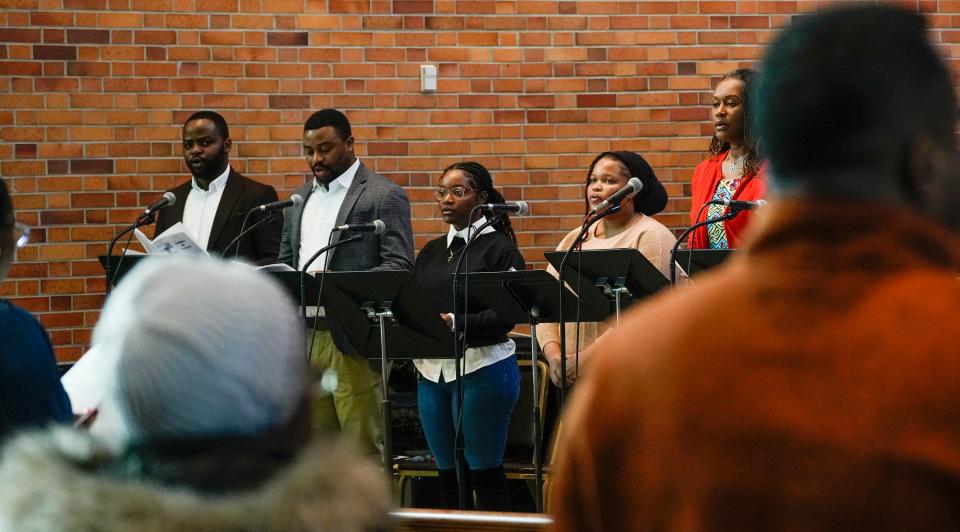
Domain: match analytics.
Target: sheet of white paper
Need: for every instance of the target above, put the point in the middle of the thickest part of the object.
(85, 381)
(175, 240)
(144, 241)
(276, 267)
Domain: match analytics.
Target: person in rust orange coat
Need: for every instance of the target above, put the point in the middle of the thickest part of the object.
(831, 400)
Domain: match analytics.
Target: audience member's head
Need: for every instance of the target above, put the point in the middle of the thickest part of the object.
(856, 103)
(205, 420)
(203, 349)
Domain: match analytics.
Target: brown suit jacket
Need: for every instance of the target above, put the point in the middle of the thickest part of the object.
(241, 194)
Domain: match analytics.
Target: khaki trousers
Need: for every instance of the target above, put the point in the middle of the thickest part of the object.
(347, 398)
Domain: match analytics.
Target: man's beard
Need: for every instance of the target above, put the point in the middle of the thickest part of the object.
(211, 169)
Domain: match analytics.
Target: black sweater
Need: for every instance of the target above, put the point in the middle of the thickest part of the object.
(490, 252)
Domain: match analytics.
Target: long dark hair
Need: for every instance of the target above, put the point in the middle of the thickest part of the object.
(751, 163)
(481, 180)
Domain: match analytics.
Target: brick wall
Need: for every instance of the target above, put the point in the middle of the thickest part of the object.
(93, 94)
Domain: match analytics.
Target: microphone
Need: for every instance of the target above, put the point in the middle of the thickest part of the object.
(634, 185)
(166, 200)
(377, 227)
(740, 205)
(294, 199)
(520, 208)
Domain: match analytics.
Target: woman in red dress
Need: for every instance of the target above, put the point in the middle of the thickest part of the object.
(733, 170)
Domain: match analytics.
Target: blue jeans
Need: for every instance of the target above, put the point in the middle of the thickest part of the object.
(489, 395)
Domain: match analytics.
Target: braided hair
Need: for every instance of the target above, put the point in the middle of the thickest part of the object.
(751, 163)
(481, 180)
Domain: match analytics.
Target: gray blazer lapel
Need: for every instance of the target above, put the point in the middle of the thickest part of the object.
(353, 194)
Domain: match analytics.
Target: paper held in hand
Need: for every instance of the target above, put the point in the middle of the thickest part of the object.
(173, 241)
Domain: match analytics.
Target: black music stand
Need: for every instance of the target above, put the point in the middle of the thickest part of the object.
(109, 262)
(701, 260)
(305, 294)
(620, 276)
(530, 296)
(386, 311)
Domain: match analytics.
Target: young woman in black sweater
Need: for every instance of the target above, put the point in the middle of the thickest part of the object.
(491, 380)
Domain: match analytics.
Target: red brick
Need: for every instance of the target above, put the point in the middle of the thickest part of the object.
(412, 6)
(288, 38)
(54, 52)
(387, 148)
(154, 37)
(477, 7)
(749, 22)
(217, 5)
(61, 319)
(20, 35)
(91, 166)
(47, 18)
(349, 6)
(88, 36)
(289, 101)
(186, 21)
(47, 84)
(57, 217)
(25, 151)
(351, 39)
(18, 68)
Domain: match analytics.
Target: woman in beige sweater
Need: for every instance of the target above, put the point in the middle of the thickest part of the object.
(631, 227)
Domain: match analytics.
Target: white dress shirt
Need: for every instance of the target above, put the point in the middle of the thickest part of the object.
(320, 216)
(201, 207)
(475, 357)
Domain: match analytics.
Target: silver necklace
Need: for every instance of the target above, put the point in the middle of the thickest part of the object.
(733, 164)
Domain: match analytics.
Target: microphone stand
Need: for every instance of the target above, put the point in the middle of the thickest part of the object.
(303, 271)
(271, 218)
(144, 219)
(673, 252)
(563, 332)
(459, 352)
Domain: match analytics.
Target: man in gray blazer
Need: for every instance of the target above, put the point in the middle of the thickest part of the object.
(344, 191)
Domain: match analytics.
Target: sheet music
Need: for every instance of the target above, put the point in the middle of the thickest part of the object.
(174, 240)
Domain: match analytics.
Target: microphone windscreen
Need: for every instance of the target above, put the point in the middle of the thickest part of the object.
(635, 183)
(522, 208)
(170, 197)
(297, 200)
(379, 227)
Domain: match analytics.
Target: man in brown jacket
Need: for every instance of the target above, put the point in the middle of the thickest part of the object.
(813, 382)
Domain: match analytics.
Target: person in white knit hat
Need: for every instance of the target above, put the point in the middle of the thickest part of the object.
(204, 424)
(201, 347)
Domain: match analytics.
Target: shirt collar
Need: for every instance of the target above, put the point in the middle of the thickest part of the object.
(216, 184)
(343, 181)
(472, 228)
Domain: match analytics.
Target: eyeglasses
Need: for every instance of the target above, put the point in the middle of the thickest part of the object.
(456, 191)
(21, 233)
